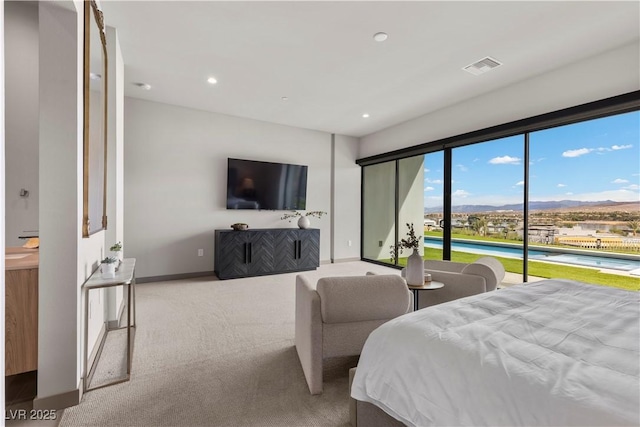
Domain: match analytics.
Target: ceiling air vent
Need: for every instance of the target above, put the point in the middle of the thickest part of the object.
(482, 66)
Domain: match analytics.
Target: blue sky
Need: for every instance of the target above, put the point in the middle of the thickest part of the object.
(588, 161)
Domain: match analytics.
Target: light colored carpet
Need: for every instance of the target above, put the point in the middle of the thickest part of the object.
(219, 353)
(112, 364)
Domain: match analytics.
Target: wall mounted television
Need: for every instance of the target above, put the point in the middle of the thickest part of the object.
(264, 185)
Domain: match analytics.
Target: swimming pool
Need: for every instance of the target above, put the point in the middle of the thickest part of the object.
(515, 251)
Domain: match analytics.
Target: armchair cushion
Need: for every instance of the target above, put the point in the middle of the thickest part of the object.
(356, 302)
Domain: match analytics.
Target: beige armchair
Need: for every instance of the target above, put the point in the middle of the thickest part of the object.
(334, 318)
(461, 279)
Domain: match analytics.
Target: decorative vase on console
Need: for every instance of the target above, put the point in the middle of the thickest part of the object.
(415, 269)
(303, 218)
(415, 262)
(108, 267)
(304, 222)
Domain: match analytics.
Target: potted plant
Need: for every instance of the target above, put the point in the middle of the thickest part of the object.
(116, 251)
(303, 221)
(415, 262)
(108, 267)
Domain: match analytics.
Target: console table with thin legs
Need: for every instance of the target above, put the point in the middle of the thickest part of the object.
(125, 277)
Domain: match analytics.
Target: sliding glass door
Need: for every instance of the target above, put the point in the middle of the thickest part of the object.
(559, 200)
(487, 203)
(584, 208)
(378, 211)
(434, 220)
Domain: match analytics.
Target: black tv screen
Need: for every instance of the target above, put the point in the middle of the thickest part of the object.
(263, 185)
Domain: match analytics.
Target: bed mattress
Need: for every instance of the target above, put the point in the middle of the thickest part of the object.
(554, 352)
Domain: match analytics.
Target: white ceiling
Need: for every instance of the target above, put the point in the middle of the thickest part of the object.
(322, 56)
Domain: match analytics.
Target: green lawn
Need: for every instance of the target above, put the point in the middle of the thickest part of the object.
(543, 269)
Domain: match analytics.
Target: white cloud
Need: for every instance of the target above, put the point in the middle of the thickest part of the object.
(577, 153)
(462, 168)
(460, 193)
(561, 185)
(426, 170)
(505, 160)
(429, 188)
(433, 181)
(619, 181)
(520, 183)
(569, 193)
(632, 187)
(600, 150)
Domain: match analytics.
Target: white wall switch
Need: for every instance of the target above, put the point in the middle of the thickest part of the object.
(200, 252)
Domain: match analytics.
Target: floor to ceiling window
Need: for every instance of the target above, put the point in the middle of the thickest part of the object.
(433, 204)
(551, 200)
(487, 202)
(584, 203)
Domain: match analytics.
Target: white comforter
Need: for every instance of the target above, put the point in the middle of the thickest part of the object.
(555, 352)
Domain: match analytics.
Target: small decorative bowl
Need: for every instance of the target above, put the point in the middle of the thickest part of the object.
(240, 226)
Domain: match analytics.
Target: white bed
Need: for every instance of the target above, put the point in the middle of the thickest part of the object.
(554, 352)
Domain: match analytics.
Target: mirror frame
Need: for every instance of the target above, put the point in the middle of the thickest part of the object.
(91, 187)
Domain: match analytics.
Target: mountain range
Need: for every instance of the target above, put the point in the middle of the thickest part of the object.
(533, 206)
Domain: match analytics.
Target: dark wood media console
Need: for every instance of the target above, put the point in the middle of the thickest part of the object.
(265, 251)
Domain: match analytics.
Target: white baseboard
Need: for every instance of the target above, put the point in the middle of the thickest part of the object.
(336, 261)
(60, 400)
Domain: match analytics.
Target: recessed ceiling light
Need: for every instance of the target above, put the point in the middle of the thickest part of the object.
(365, 115)
(144, 86)
(94, 76)
(212, 80)
(284, 98)
(380, 37)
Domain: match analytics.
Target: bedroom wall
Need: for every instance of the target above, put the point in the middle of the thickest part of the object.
(66, 258)
(602, 76)
(59, 321)
(176, 172)
(346, 196)
(21, 98)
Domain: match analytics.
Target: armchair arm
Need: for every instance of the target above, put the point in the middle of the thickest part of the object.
(308, 333)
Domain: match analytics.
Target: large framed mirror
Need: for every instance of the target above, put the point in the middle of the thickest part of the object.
(94, 217)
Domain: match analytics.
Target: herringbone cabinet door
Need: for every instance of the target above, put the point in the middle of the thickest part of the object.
(261, 253)
(285, 248)
(231, 252)
(309, 255)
